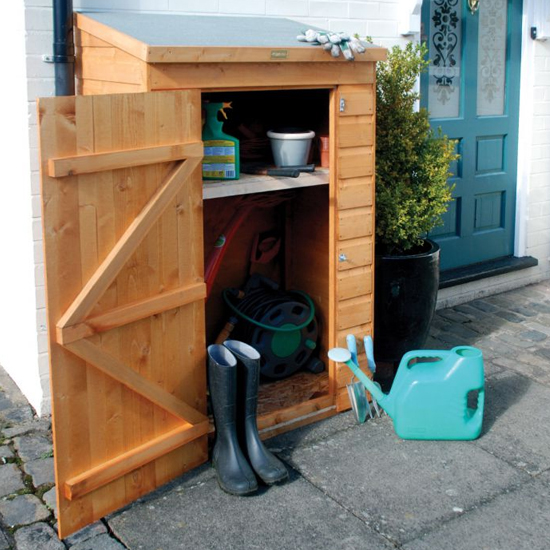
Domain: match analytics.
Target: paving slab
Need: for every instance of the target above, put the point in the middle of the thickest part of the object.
(5, 452)
(23, 510)
(32, 447)
(36, 425)
(10, 479)
(294, 515)
(517, 340)
(91, 531)
(16, 415)
(4, 542)
(536, 291)
(38, 536)
(50, 499)
(539, 325)
(517, 520)
(41, 471)
(516, 424)
(533, 335)
(541, 307)
(101, 542)
(402, 488)
(5, 402)
(312, 433)
(483, 305)
(533, 364)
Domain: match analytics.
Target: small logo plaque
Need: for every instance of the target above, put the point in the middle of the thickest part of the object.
(279, 54)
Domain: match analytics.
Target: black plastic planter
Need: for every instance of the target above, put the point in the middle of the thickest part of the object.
(405, 299)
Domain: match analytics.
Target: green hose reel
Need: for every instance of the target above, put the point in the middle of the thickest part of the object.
(281, 325)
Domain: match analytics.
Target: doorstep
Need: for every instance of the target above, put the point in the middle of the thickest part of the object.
(483, 270)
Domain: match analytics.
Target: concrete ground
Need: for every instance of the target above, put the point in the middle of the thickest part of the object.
(351, 486)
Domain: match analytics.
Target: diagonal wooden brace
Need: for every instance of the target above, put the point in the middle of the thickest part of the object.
(100, 359)
(107, 272)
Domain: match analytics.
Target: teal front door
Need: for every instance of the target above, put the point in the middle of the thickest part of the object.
(472, 93)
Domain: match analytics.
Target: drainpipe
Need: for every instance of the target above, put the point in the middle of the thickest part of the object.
(63, 47)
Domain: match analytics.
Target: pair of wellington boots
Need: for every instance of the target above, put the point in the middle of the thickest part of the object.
(239, 454)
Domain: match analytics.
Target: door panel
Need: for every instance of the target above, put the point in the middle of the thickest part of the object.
(122, 216)
(472, 93)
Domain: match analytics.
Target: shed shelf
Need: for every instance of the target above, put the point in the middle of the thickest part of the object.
(257, 184)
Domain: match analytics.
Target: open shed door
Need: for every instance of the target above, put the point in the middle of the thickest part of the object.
(122, 218)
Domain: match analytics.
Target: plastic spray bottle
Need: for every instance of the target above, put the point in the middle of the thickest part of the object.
(221, 151)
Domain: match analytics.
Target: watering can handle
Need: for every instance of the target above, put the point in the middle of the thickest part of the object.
(352, 347)
(480, 404)
(421, 354)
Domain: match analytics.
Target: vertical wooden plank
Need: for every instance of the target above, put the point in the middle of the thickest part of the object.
(334, 108)
(165, 327)
(63, 279)
(185, 260)
(97, 238)
(134, 187)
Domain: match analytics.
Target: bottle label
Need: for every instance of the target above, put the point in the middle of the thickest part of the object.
(219, 159)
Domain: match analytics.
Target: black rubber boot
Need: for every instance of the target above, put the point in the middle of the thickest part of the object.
(233, 471)
(266, 465)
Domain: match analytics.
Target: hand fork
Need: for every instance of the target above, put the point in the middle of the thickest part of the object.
(369, 352)
(358, 397)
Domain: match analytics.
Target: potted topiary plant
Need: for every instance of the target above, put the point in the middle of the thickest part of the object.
(412, 193)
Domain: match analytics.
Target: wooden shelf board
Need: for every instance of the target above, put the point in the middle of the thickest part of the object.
(247, 184)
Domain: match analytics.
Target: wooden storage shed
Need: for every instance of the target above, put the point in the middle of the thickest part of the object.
(128, 222)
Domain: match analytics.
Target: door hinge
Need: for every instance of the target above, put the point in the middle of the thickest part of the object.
(342, 104)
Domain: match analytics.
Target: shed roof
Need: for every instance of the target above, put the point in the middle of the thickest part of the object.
(173, 38)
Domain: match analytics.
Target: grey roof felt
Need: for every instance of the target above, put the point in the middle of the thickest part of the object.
(157, 29)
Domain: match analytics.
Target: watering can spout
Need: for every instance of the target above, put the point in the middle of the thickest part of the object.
(342, 355)
(387, 403)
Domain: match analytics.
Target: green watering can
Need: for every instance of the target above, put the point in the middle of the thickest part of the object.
(429, 395)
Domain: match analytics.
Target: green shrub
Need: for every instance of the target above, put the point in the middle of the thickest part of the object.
(412, 161)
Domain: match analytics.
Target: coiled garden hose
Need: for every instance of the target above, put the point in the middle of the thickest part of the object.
(293, 328)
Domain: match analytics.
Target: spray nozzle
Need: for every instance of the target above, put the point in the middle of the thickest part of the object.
(225, 105)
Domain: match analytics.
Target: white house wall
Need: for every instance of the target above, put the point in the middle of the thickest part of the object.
(18, 306)
(383, 20)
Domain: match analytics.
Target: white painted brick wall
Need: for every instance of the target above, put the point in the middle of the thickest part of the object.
(538, 225)
(18, 306)
(38, 18)
(332, 10)
(376, 18)
(287, 8)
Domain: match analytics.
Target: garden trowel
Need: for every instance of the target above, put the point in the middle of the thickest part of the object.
(356, 389)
